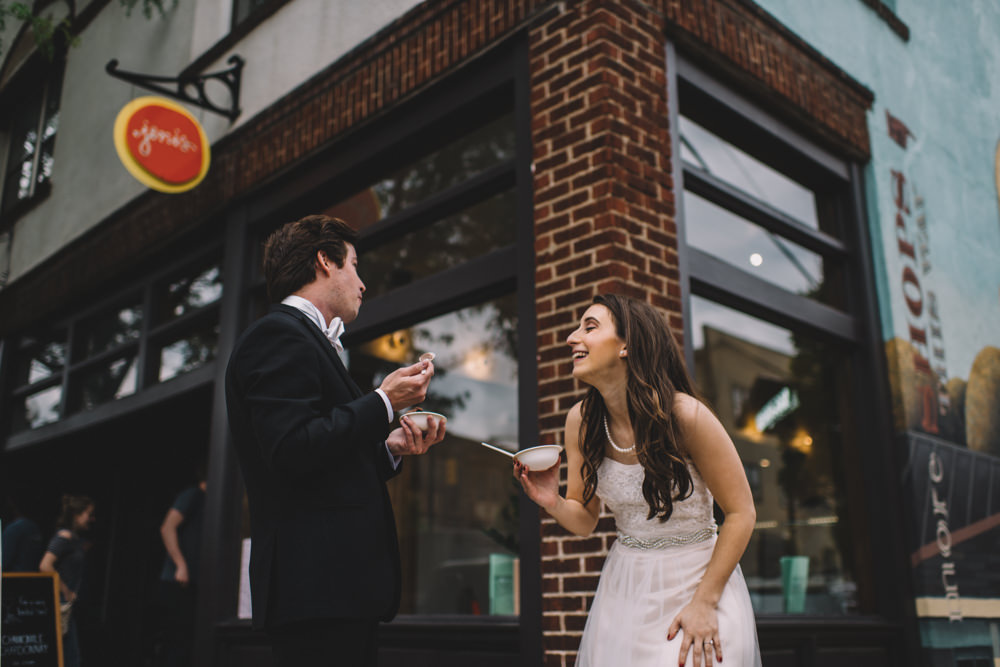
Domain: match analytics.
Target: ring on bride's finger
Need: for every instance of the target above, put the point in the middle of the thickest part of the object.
(709, 641)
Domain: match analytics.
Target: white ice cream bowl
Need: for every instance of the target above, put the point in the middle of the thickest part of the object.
(538, 458)
(419, 418)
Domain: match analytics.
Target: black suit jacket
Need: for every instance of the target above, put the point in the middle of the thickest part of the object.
(311, 449)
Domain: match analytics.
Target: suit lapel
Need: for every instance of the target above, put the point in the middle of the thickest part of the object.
(324, 344)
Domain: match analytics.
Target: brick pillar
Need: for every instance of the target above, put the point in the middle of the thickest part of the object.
(604, 221)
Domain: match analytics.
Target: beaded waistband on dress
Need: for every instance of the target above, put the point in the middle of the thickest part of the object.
(667, 541)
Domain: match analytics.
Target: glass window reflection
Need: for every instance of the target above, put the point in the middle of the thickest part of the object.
(41, 358)
(50, 126)
(760, 252)
(704, 150)
(106, 382)
(788, 428)
(442, 245)
(23, 143)
(189, 293)
(111, 329)
(188, 353)
(40, 408)
(31, 127)
(459, 540)
(452, 165)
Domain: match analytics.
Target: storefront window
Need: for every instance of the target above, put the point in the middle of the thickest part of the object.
(41, 408)
(456, 163)
(37, 380)
(735, 193)
(456, 506)
(469, 155)
(41, 359)
(789, 429)
(428, 221)
(752, 248)
(196, 289)
(191, 352)
(704, 150)
(105, 382)
(442, 245)
(179, 334)
(111, 329)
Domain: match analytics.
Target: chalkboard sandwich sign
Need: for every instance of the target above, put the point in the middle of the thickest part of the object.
(31, 627)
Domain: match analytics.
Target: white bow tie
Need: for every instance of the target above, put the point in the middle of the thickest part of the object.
(333, 333)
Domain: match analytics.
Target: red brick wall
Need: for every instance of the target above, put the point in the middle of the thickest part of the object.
(604, 208)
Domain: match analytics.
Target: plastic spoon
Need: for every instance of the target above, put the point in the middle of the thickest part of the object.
(497, 449)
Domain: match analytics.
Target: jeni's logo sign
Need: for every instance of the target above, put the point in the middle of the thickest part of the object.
(161, 144)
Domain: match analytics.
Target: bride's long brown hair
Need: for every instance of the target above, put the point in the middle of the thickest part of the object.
(655, 373)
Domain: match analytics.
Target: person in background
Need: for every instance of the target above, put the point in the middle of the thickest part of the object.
(181, 535)
(66, 555)
(22, 539)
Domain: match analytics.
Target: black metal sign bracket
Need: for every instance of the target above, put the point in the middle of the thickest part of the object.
(185, 85)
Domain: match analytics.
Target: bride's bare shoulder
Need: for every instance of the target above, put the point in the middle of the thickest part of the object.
(574, 418)
(575, 414)
(690, 412)
(686, 406)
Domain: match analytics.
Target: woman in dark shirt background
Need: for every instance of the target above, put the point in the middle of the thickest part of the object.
(65, 555)
(22, 539)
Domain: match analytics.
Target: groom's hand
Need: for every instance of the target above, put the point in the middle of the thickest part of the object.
(408, 440)
(407, 386)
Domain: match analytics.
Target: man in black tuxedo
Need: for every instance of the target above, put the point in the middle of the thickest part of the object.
(316, 454)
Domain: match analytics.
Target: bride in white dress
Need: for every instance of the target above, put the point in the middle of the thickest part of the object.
(671, 591)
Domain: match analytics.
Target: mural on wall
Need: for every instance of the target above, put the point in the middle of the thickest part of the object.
(945, 379)
(955, 548)
(929, 395)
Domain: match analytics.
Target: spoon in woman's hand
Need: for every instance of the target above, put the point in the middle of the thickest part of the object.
(497, 449)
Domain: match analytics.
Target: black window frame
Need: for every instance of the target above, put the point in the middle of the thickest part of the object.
(703, 97)
(146, 347)
(364, 153)
(39, 79)
(243, 20)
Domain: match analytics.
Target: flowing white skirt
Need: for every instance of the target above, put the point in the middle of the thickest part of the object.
(640, 593)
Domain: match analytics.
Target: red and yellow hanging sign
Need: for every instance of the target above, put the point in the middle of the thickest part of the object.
(161, 144)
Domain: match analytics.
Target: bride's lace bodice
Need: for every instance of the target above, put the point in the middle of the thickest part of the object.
(619, 485)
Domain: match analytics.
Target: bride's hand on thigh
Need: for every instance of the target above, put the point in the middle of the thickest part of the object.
(700, 623)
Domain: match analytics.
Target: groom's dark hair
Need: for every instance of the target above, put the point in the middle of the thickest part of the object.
(290, 252)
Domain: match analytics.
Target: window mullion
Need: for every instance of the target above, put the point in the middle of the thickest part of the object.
(144, 364)
(719, 192)
(39, 130)
(438, 293)
(64, 408)
(720, 281)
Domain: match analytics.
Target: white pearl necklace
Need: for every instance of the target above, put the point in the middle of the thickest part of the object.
(620, 450)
